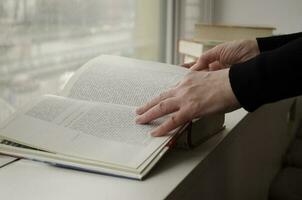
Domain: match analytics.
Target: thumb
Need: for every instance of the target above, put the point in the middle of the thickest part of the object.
(206, 59)
(216, 66)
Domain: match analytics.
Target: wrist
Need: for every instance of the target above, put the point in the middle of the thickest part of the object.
(253, 45)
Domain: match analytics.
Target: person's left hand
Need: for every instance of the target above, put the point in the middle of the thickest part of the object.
(200, 93)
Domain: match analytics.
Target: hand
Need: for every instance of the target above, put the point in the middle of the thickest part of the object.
(224, 55)
(200, 93)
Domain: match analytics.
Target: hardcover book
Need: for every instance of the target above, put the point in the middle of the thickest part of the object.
(91, 126)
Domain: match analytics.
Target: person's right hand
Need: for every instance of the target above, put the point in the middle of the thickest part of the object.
(198, 94)
(224, 55)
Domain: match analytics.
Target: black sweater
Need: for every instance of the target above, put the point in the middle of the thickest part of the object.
(275, 74)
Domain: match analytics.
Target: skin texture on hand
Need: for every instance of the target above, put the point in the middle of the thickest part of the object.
(200, 93)
(226, 54)
(205, 90)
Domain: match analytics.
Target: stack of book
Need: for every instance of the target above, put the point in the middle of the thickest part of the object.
(207, 36)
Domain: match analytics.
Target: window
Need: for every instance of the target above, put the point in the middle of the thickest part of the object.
(42, 42)
(182, 15)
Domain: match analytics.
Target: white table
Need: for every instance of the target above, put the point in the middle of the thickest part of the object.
(236, 164)
(6, 160)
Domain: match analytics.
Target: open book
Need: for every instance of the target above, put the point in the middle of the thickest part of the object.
(91, 125)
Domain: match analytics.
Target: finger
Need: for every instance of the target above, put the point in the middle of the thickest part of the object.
(216, 66)
(163, 108)
(188, 65)
(154, 101)
(205, 59)
(170, 124)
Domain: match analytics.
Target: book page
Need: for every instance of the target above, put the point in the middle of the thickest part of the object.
(97, 131)
(125, 81)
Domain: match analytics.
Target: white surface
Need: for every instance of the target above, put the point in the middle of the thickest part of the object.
(5, 159)
(284, 15)
(31, 180)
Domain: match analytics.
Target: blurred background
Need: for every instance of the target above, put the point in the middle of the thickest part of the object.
(43, 42)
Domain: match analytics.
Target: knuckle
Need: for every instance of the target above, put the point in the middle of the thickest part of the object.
(176, 118)
(173, 119)
(162, 106)
(194, 107)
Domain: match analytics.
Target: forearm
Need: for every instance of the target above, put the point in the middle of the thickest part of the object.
(270, 76)
(271, 43)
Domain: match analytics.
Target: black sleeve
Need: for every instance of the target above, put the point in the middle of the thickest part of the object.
(270, 43)
(269, 77)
